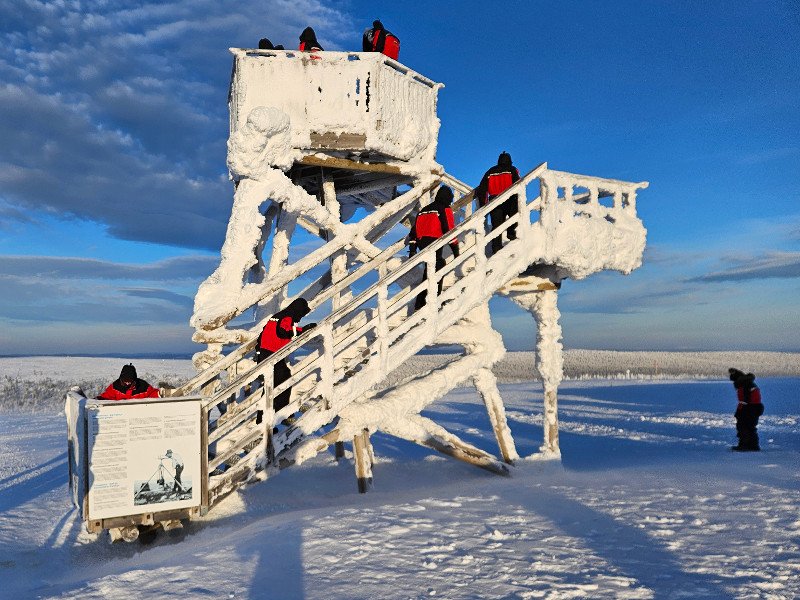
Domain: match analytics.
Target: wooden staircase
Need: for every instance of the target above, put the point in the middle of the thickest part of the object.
(368, 333)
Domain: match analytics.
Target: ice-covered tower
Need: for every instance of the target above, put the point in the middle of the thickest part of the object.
(331, 155)
(314, 138)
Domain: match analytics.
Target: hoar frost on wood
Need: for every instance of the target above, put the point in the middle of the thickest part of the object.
(314, 137)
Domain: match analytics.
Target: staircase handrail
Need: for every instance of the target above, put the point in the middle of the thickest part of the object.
(225, 362)
(408, 265)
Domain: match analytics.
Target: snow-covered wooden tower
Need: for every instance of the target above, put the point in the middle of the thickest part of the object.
(343, 145)
(331, 155)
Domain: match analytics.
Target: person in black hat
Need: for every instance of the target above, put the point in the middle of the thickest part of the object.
(280, 329)
(128, 387)
(431, 223)
(308, 41)
(378, 39)
(494, 182)
(748, 410)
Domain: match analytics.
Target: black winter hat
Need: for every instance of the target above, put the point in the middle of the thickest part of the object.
(504, 160)
(298, 308)
(128, 373)
(308, 35)
(444, 196)
(377, 24)
(734, 374)
(265, 44)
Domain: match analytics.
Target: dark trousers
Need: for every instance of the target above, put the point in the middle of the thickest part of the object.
(423, 295)
(178, 485)
(498, 216)
(746, 424)
(280, 374)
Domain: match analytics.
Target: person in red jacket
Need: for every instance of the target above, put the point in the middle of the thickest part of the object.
(308, 41)
(431, 223)
(494, 182)
(281, 328)
(748, 410)
(378, 39)
(129, 387)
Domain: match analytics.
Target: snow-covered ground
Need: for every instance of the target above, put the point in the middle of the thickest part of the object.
(647, 502)
(39, 383)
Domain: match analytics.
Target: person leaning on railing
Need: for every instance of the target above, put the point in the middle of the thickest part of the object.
(378, 39)
(280, 329)
(129, 387)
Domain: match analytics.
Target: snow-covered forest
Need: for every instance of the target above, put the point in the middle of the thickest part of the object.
(39, 383)
(647, 501)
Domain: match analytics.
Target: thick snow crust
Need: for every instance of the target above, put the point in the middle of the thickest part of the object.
(335, 93)
(585, 236)
(647, 503)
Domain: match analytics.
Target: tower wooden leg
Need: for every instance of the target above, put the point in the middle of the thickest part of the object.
(338, 450)
(362, 450)
(549, 363)
(486, 384)
(543, 305)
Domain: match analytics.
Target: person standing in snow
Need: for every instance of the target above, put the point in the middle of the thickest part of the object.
(129, 387)
(280, 329)
(748, 410)
(494, 182)
(308, 41)
(177, 467)
(378, 39)
(431, 223)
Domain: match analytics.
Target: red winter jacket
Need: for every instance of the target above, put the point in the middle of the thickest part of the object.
(496, 181)
(751, 396)
(138, 389)
(433, 224)
(278, 332)
(378, 39)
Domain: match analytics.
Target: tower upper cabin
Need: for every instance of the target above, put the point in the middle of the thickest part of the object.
(361, 106)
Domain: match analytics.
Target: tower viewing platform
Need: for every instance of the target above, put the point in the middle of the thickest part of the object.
(347, 104)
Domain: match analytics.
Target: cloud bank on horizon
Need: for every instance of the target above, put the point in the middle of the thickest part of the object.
(114, 194)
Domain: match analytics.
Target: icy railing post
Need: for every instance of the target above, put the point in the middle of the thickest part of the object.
(432, 307)
(383, 328)
(523, 218)
(328, 367)
(549, 211)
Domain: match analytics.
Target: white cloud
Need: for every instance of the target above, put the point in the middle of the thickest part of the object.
(129, 105)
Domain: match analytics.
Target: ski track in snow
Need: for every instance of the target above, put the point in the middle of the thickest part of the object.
(647, 502)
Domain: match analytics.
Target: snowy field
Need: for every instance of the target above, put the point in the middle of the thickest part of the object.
(647, 502)
(39, 383)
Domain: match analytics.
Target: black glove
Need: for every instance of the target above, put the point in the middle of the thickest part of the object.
(309, 326)
(412, 250)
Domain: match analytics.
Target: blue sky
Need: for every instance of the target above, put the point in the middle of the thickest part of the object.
(114, 194)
